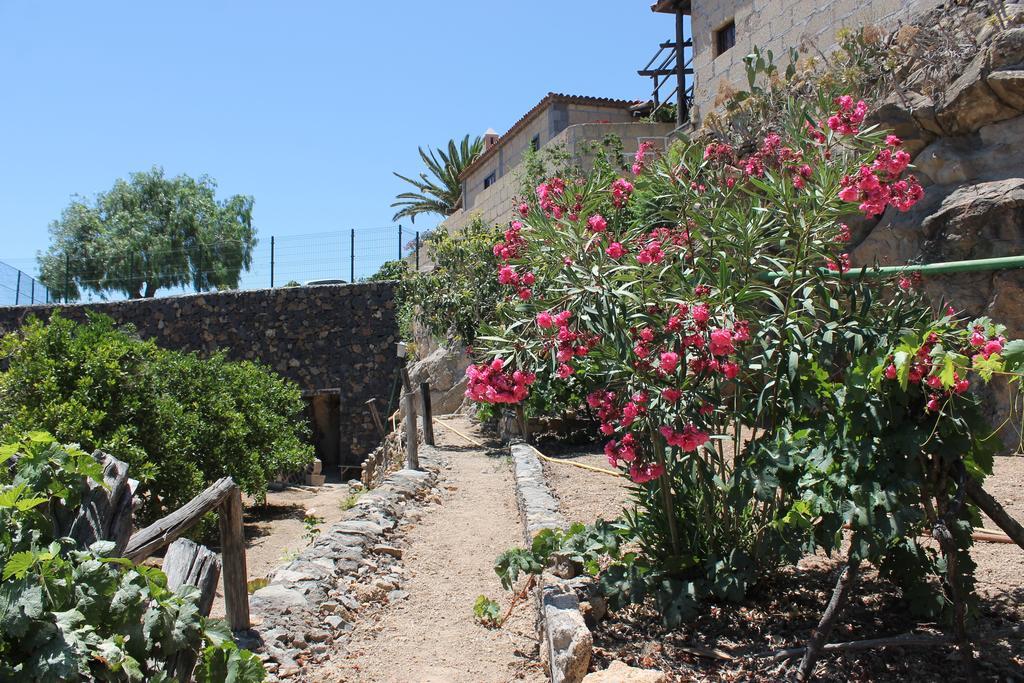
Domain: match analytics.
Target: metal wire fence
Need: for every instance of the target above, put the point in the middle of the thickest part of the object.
(342, 255)
(20, 288)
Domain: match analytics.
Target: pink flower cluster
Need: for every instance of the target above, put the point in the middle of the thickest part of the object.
(923, 371)
(641, 152)
(622, 190)
(513, 244)
(772, 154)
(848, 117)
(491, 383)
(568, 344)
(877, 186)
(690, 439)
(508, 275)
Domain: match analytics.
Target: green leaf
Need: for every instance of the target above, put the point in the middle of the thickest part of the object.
(19, 564)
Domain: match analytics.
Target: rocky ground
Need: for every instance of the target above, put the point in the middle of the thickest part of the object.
(427, 631)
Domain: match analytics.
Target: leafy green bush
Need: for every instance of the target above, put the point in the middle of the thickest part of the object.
(178, 420)
(70, 614)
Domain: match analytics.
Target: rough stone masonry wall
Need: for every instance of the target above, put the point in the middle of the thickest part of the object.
(327, 337)
(778, 25)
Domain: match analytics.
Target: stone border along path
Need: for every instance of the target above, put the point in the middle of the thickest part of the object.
(308, 606)
(568, 643)
(428, 632)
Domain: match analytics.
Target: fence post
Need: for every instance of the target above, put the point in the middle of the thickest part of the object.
(271, 261)
(32, 292)
(399, 241)
(131, 270)
(428, 414)
(412, 459)
(17, 290)
(418, 253)
(232, 544)
(67, 276)
(352, 257)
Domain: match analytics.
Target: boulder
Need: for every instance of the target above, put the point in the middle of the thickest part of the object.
(1008, 85)
(981, 220)
(897, 115)
(969, 103)
(570, 643)
(620, 672)
(1006, 50)
(445, 370)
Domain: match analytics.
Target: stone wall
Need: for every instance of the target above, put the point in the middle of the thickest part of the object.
(332, 339)
(777, 25)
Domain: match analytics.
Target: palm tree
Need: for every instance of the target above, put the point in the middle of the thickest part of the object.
(443, 192)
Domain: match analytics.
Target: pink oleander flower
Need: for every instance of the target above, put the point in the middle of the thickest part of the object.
(721, 342)
(977, 339)
(849, 116)
(934, 405)
(671, 395)
(700, 314)
(544, 319)
(890, 372)
(525, 293)
(893, 141)
(507, 275)
(615, 250)
(651, 253)
(991, 347)
(562, 318)
(621, 191)
(844, 233)
(564, 370)
(669, 361)
(690, 439)
(597, 223)
(642, 474)
(840, 266)
(730, 370)
(524, 209)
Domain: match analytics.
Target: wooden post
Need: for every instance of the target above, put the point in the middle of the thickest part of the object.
(412, 460)
(232, 542)
(428, 414)
(375, 414)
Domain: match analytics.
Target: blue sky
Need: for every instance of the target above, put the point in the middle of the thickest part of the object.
(307, 106)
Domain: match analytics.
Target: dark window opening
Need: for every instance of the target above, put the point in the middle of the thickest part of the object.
(535, 142)
(725, 38)
(490, 180)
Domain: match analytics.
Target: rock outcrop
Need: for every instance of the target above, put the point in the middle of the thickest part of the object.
(964, 125)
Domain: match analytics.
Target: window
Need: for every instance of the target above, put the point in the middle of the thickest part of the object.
(489, 180)
(725, 37)
(535, 142)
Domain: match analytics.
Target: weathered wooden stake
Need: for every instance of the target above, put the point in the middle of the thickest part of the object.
(428, 414)
(412, 459)
(375, 414)
(232, 541)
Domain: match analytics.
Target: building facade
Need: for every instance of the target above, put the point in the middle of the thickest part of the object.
(725, 31)
(490, 185)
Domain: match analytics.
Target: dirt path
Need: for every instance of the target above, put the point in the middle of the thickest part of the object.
(432, 636)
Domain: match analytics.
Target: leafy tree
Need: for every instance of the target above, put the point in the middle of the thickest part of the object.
(148, 233)
(441, 193)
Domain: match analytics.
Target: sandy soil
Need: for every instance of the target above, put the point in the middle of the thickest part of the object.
(274, 532)
(432, 635)
(1000, 570)
(584, 495)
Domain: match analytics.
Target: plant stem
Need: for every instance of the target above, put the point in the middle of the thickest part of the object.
(664, 484)
(820, 635)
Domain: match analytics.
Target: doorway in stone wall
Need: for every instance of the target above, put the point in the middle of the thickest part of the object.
(325, 422)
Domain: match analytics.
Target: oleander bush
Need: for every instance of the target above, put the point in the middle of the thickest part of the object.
(82, 614)
(766, 399)
(180, 421)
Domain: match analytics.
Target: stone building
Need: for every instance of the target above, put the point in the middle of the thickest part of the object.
(490, 184)
(724, 31)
